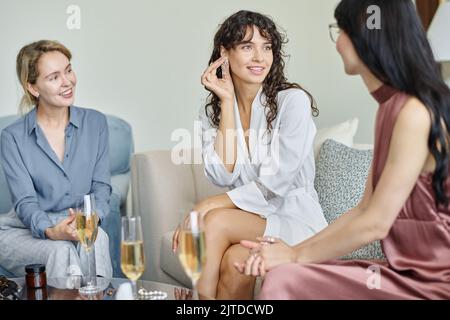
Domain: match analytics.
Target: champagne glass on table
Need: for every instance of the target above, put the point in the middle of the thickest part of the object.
(192, 246)
(86, 220)
(132, 250)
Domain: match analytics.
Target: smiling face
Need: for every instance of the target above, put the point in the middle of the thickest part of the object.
(55, 85)
(251, 59)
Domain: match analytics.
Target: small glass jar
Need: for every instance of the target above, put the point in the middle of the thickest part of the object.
(37, 294)
(35, 276)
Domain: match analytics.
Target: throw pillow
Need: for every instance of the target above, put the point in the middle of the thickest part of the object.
(341, 174)
(342, 132)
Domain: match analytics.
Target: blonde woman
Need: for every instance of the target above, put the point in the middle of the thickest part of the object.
(51, 155)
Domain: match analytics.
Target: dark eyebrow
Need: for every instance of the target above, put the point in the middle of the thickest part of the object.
(50, 74)
(244, 42)
(250, 42)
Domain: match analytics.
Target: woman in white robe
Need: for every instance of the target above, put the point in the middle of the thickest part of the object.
(268, 168)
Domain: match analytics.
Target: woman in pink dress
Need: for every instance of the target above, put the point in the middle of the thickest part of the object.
(406, 200)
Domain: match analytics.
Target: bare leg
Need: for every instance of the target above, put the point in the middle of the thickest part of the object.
(223, 228)
(232, 284)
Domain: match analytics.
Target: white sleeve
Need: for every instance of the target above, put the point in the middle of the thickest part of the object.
(291, 144)
(215, 170)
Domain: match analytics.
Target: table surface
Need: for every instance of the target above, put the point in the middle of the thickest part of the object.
(67, 289)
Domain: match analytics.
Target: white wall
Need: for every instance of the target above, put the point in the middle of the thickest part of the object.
(142, 60)
(446, 72)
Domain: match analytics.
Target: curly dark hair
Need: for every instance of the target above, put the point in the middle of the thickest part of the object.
(231, 33)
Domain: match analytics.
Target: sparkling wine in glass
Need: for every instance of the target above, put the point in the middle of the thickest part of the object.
(192, 246)
(132, 250)
(86, 220)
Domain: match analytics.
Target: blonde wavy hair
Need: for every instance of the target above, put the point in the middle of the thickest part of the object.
(27, 68)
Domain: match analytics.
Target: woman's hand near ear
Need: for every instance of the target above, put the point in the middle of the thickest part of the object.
(225, 144)
(222, 87)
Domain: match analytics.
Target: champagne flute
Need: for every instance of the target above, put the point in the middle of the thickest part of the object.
(86, 220)
(192, 246)
(132, 250)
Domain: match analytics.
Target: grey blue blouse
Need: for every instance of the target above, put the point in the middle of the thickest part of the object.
(40, 184)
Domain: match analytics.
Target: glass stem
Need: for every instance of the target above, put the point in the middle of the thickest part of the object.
(134, 289)
(194, 289)
(91, 268)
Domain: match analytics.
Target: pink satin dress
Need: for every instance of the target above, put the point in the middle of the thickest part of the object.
(417, 247)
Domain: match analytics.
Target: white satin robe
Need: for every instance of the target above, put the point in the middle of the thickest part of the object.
(275, 177)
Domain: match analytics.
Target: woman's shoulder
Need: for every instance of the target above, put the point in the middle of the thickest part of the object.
(414, 115)
(294, 100)
(16, 126)
(88, 114)
(19, 126)
(293, 94)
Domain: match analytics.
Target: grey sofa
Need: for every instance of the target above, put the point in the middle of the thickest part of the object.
(121, 148)
(163, 191)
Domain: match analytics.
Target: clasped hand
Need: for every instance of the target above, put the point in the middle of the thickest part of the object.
(264, 255)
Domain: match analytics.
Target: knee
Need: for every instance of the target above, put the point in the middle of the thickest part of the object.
(227, 269)
(59, 246)
(215, 222)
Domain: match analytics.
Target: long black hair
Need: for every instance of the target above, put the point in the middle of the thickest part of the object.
(230, 34)
(398, 53)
